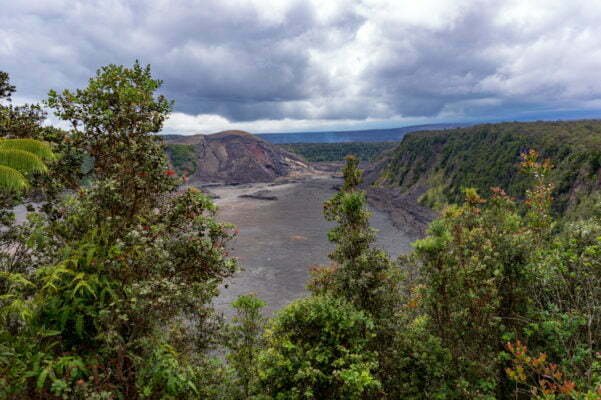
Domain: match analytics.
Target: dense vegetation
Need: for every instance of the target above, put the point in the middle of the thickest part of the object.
(446, 162)
(317, 152)
(106, 292)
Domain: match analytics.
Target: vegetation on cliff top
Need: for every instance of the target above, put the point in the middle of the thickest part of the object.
(439, 165)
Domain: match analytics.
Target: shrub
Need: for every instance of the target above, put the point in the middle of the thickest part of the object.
(317, 348)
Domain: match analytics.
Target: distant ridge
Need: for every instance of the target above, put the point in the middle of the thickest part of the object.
(431, 169)
(368, 135)
(233, 157)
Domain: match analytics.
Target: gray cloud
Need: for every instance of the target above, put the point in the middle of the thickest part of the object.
(337, 63)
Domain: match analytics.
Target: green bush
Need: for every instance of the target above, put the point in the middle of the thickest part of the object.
(317, 348)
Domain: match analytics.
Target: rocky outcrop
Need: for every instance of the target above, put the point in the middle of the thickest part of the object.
(404, 210)
(234, 157)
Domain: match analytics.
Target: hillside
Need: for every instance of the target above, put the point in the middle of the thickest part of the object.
(231, 157)
(433, 167)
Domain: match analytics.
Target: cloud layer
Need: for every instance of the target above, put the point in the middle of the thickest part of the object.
(298, 65)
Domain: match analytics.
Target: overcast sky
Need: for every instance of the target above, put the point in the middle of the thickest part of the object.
(269, 66)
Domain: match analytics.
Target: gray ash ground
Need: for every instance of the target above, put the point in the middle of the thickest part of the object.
(279, 241)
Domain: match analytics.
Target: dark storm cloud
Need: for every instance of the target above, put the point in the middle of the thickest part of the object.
(430, 68)
(215, 57)
(244, 61)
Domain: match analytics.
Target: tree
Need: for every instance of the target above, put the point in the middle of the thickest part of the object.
(244, 341)
(566, 291)
(18, 121)
(362, 274)
(352, 235)
(475, 270)
(6, 89)
(539, 379)
(469, 254)
(113, 119)
(117, 299)
(23, 152)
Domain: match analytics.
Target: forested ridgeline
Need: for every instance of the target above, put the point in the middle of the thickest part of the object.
(327, 152)
(438, 165)
(106, 291)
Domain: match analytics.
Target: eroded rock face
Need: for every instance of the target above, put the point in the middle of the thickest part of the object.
(238, 157)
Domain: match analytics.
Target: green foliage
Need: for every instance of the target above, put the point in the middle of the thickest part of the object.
(163, 375)
(492, 271)
(21, 129)
(567, 291)
(183, 157)
(485, 156)
(362, 274)
(317, 348)
(323, 152)
(352, 235)
(94, 304)
(473, 269)
(6, 89)
(113, 120)
(11, 180)
(419, 366)
(20, 159)
(244, 341)
(18, 121)
(39, 149)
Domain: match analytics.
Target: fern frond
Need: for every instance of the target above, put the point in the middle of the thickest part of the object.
(12, 180)
(37, 147)
(23, 161)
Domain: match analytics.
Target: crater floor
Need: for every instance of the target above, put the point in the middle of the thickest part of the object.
(280, 240)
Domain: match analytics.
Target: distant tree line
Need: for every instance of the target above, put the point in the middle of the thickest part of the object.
(319, 152)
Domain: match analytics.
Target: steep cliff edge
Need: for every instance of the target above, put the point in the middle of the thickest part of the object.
(430, 169)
